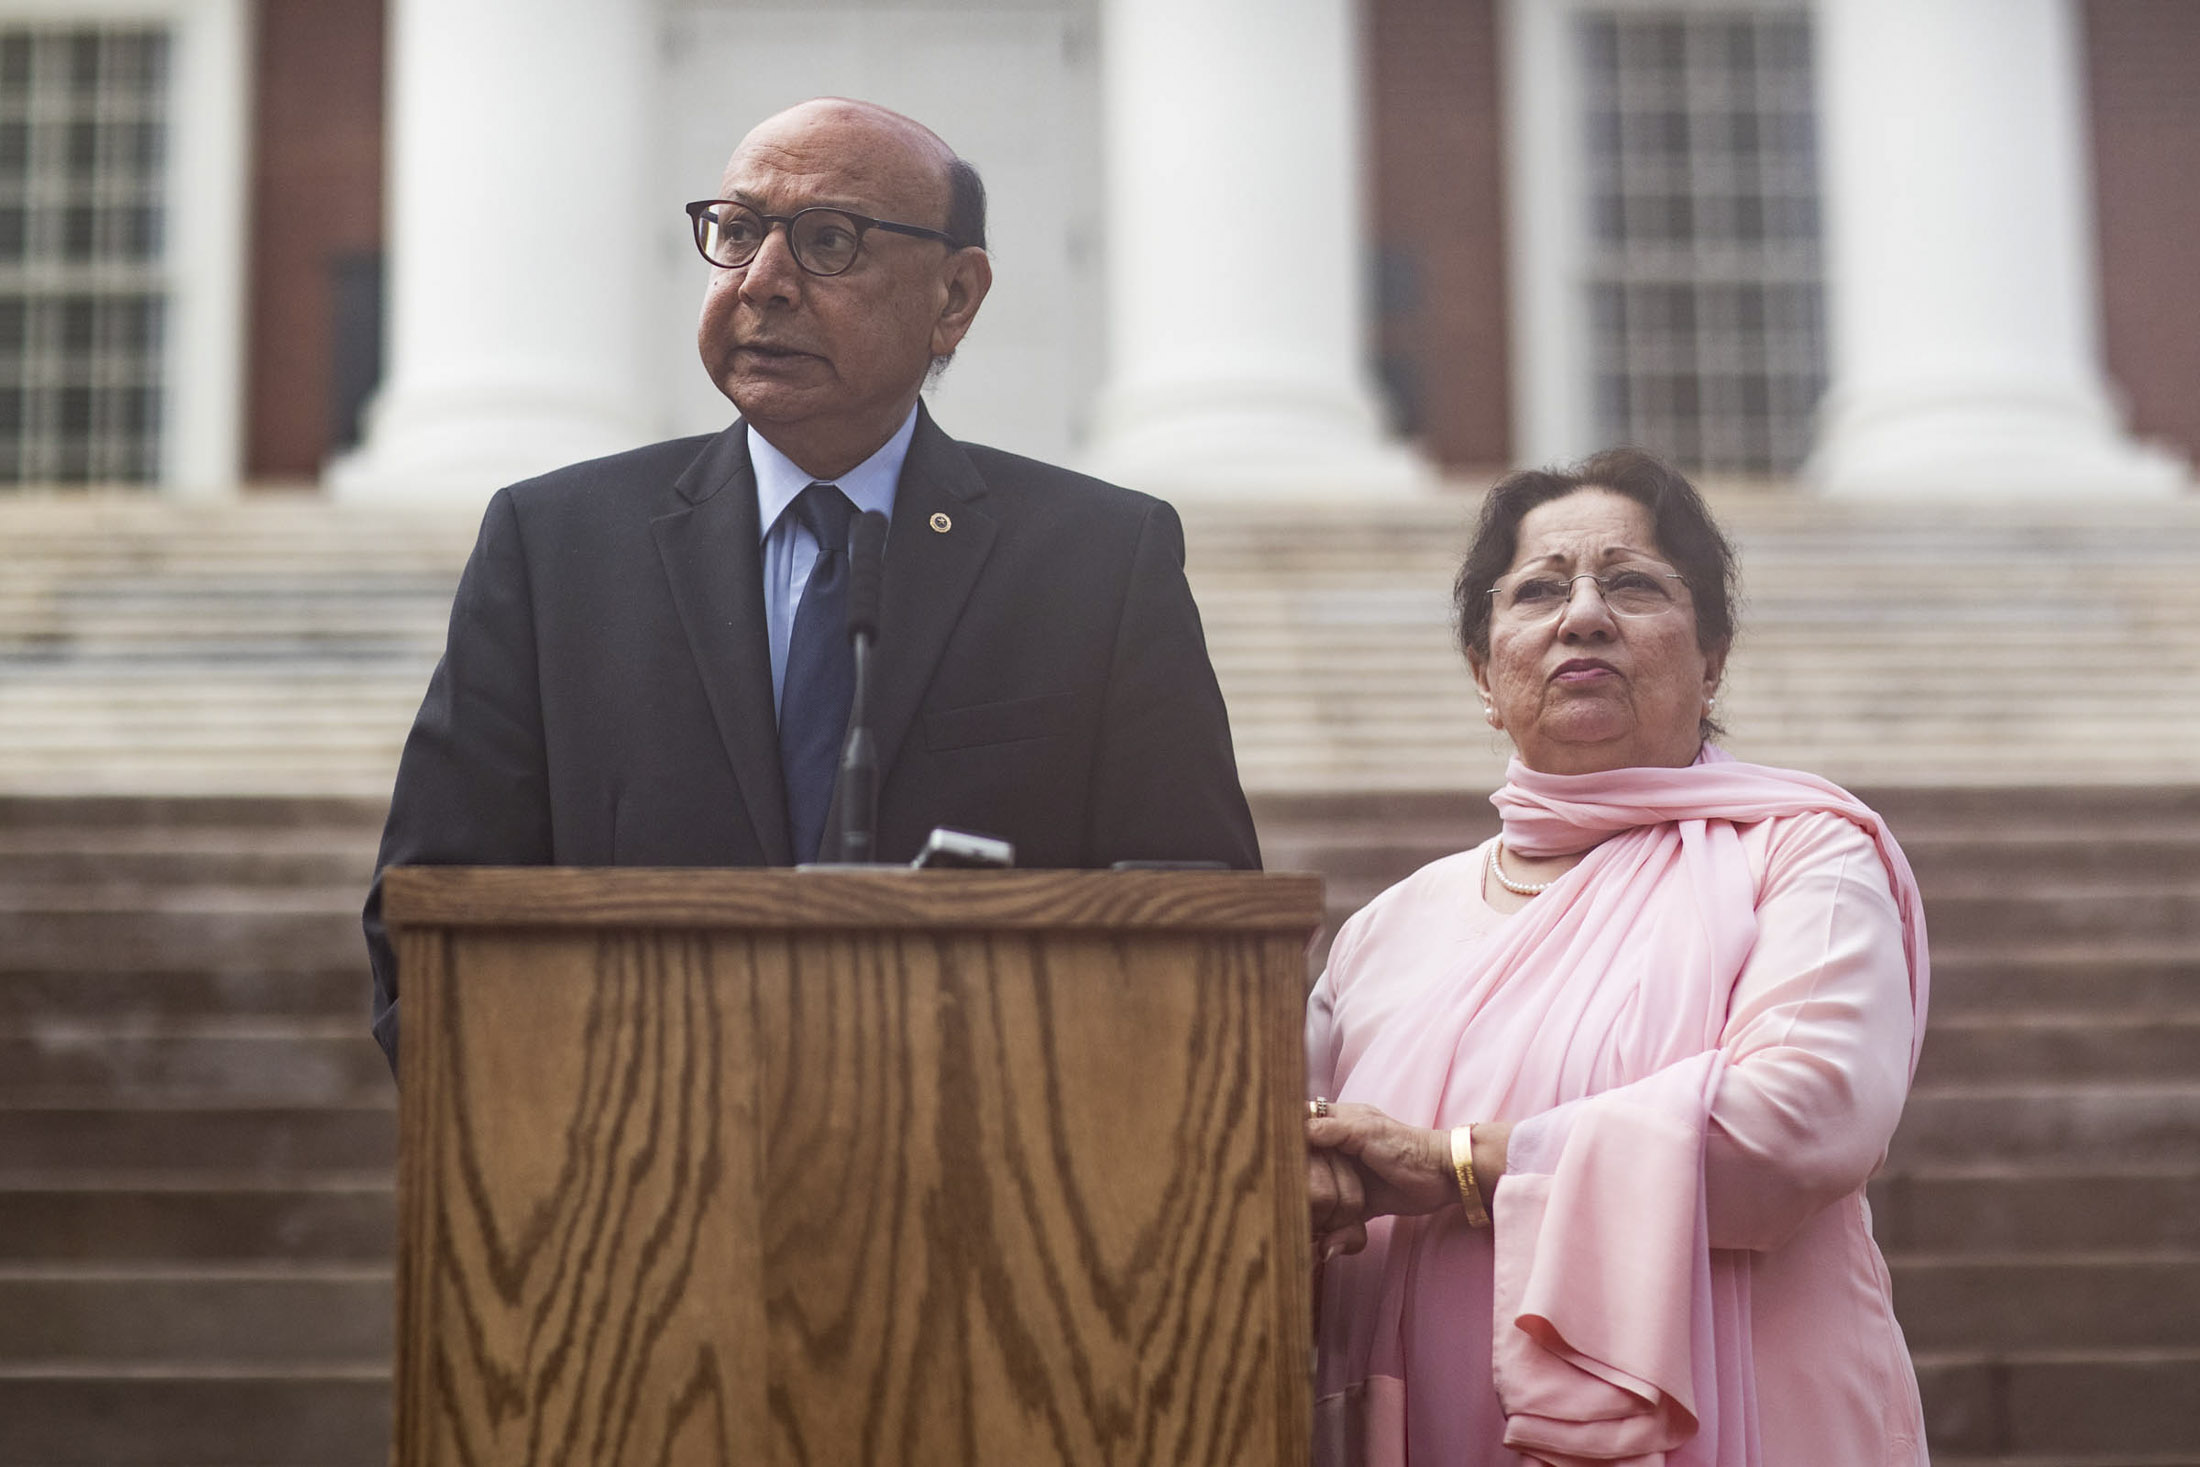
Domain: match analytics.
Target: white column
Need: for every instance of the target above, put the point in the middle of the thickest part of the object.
(1237, 335)
(518, 243)
(1960, 262)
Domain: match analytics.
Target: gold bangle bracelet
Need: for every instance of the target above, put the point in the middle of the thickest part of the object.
(1462, 1169)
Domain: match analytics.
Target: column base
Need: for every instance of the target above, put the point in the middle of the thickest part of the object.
(465, 441)
(1240, 434)
(1948, 444)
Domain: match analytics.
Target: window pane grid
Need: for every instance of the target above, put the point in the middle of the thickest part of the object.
(83, 304)
(1705, 287)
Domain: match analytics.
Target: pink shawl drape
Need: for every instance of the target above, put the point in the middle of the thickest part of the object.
(1592, 1019)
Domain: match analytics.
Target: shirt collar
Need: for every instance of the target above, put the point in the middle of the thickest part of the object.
(869, 485)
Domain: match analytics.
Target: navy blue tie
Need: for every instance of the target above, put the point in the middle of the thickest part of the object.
(821, 672)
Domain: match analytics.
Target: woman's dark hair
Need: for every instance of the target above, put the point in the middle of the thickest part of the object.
(1687, 535)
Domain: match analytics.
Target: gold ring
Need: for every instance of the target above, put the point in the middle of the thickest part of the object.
(1318, 1108)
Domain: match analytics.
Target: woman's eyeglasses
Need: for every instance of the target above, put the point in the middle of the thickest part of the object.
(1628, 590)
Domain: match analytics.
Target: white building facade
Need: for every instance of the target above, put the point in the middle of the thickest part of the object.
(1850, 243)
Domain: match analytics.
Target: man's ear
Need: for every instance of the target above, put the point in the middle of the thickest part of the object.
(968, 276)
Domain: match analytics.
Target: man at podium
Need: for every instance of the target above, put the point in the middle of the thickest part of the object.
(647, 662)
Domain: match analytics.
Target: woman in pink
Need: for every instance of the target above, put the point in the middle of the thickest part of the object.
(1596, 1101)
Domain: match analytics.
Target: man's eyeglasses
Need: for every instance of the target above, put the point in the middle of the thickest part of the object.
(824, 241)
(1629, 590)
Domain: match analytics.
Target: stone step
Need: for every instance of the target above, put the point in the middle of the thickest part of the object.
(2059, 1048)
(2129, 1408)
(2111, 913)
(179, 927)
(264, 1063)
(273, 770)
(143, 816)
(330, 1222)
(331, 862)
(224, 690)
(260, 1315)
(2035, 1206)
(140, 998)
(2067, 1301)
(271, 632)
(2083, 980)
(2044, 859)
(260, 606)
(43, 1144)
(297, 1416)
(360, 733)
(2108, 1122)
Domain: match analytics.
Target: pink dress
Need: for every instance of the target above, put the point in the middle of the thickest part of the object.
(1703, 1033)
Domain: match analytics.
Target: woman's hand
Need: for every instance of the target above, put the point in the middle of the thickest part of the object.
(1401, 1169)
(1337, 1204)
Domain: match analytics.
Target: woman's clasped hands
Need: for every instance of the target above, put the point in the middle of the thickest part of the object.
(1363, 1164)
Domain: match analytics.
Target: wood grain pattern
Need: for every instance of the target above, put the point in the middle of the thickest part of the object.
(578, 1263)
(887, 897)
(931, 1195)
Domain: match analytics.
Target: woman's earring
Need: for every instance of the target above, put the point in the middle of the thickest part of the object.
(1489, 712)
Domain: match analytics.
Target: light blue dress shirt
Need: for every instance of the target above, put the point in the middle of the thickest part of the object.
(790, 550)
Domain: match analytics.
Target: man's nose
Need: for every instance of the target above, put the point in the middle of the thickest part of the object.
(773, 273)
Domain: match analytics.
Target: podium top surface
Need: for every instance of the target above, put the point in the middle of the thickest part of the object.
(888, 897)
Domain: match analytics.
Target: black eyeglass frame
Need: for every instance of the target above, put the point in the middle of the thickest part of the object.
(863, 222)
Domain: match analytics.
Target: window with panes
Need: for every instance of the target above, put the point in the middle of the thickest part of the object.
(83, 136)
(1704, 276)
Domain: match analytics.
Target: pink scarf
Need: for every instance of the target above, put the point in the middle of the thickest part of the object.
(1592, 1018)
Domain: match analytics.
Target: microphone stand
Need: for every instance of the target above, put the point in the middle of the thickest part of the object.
(859, 755)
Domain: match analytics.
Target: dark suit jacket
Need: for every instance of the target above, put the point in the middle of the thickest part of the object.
(605, 695)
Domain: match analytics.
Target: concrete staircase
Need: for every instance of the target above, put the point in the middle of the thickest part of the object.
(279, 646)
(196, 1136)
(2040, 1209)
(270, 646)
(2041, 1206)
(201, 705)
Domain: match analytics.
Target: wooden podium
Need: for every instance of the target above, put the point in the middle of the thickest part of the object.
(852, 1167)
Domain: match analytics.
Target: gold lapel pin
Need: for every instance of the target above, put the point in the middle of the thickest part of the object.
(941, 524)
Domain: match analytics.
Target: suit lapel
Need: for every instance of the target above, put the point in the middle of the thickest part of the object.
(710, 549)
(929, 575)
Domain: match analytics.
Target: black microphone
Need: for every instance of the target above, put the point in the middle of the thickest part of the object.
(859, 755)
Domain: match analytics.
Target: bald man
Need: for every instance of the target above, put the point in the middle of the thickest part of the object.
(644, 666)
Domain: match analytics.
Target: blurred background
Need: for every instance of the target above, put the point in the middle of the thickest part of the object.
(1912, 287)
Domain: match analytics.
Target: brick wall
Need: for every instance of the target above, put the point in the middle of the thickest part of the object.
(2143, 64)
(316, 224)
(1438, 231)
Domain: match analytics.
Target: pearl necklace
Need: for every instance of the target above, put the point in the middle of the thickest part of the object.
(1517, 888)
